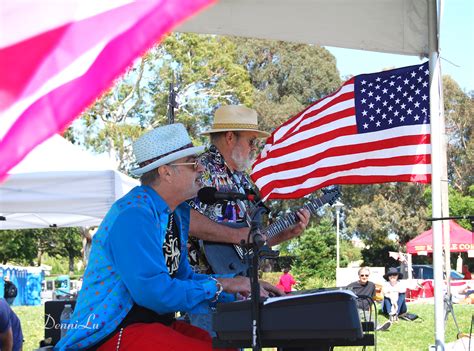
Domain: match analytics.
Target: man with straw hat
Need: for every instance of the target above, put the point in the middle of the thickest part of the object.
(233, 145)
(138, 275)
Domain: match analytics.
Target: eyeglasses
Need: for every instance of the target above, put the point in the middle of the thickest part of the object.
(363, 275)
(194, 164)
(252, 141)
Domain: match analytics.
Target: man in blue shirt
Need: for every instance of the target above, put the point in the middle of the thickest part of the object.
(138, 275)
(11, 336)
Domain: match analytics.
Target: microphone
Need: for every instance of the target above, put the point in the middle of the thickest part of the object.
(209, 196)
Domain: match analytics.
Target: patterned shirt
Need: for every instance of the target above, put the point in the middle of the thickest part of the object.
(128, 265)
(218, 175)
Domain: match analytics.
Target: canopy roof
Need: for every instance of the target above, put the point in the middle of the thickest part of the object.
(461, 240)
(393, 26)
(58, 184)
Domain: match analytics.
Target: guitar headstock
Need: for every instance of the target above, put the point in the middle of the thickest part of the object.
(331, 194)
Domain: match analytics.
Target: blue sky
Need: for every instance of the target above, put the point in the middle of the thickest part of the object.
(457, 46)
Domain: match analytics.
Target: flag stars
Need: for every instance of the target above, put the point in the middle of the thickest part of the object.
(370, 93)
(397, 101)
(399, 88)
(425, 84)
(427, 71)
(366, 126)
(424, 111)
(417, 91)
(409, 111)
(377, 98)
(419, 79)
(371, 105)
(402, 118)
(390, 121)
(384, 115)
(378, 111)
(370, 84)
(363, 101)
(412, 86)
(378, 123)
(403, 106)
(384, 90)
(384, 103)
(378, 79)
(417, 104)
(392, 83)
(364, 113)
(377, 87)
(410, 99)
(406, 81)
(390, 108)
(371, 118)
(416, 117)
(424, 97)
(396, 113)
(364, 82)
(392, 95)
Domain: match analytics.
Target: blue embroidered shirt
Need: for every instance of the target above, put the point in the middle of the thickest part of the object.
(127, 266)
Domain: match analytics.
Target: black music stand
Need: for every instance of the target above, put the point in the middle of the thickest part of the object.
(253, 259)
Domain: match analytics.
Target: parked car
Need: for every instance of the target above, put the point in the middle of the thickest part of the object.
(425, 271)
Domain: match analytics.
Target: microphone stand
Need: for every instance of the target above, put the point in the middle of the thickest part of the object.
(257, 242)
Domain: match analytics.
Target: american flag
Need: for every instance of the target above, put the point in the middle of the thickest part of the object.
(374, 129)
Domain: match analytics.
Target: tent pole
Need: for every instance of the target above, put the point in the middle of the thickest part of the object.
(436, 171)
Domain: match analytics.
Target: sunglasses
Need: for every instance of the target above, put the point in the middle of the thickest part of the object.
(363, 275)
(194, 164)
(252, 142)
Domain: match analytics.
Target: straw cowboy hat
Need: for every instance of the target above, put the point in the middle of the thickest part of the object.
(232, 118)
(393, 271)
(162, 146)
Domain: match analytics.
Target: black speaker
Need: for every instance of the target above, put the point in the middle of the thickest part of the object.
(52, 315)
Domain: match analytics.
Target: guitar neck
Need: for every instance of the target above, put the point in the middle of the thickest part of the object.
(290, 219)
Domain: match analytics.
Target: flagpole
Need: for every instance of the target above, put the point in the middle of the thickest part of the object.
(436, 170)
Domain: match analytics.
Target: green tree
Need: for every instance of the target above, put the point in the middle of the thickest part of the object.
(18, 246)
(205, 73)
(287, 77)
(459, 114)
(315, 252)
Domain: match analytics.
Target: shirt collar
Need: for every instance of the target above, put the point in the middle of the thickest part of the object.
(160, 204)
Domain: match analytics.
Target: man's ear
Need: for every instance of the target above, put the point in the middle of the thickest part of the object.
(230, 137)
(165, 173)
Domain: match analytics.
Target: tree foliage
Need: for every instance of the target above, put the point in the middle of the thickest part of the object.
(204, 71)
(459, 112)
(287, 77)
(315, 252)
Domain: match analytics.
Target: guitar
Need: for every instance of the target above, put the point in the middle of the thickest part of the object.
(230, 258)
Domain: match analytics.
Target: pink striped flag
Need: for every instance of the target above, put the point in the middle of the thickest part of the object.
(58, 56)
(374, 129)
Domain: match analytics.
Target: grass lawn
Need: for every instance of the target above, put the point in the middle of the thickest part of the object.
(402, 336)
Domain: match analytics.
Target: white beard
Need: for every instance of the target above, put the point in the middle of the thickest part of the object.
(242, 163)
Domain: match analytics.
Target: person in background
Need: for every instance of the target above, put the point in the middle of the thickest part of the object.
(465, 271)
(287, 280)
(11, 335)
(393, 292)
(10, 290)
(363, 288)
(138, 274)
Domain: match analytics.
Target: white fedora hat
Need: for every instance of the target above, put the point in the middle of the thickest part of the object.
(231, 118)
(161, 146)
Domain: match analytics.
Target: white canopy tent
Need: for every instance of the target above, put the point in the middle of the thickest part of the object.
(59, 184)
(405, 27)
